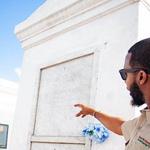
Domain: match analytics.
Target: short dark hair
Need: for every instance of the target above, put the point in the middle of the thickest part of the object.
(140, 54)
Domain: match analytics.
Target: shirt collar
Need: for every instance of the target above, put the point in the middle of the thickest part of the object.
(146, 111)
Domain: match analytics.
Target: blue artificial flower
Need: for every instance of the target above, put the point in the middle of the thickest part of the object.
(96, 132)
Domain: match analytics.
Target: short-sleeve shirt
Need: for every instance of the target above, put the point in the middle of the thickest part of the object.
(137, 132)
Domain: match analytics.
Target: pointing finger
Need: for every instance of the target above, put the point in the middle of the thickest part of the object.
(79, 114)
(83, 116)
(78, 105)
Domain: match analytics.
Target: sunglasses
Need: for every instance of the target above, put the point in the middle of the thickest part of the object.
(123, 72)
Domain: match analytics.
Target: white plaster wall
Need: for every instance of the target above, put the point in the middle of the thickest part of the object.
(144, 21)
(61, 86)
(55, 146)
(113, 34)
(8, 97)
(48, 8)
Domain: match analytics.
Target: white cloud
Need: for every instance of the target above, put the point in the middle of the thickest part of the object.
(18, 72)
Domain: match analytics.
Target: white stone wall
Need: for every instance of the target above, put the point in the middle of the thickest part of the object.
(109, 27)
(144, 20)
(8, 97)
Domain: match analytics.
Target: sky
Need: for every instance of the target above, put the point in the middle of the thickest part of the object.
(13, 12)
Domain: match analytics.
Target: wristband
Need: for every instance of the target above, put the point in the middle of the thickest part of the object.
(94, 113)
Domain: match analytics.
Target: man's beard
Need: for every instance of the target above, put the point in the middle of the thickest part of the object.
(137, 95)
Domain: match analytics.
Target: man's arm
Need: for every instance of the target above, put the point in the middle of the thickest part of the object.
(110, 122)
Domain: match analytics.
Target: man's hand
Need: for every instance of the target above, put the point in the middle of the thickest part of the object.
(110, 122)
(85, 110)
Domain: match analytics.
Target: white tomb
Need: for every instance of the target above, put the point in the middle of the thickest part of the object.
(8, 97)
(73, 50)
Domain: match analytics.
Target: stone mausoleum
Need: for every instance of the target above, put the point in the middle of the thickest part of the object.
(73, 50)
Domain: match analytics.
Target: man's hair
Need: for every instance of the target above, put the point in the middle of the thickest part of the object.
(140, 54)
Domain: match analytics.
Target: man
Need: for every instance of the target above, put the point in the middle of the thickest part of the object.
(136, 74)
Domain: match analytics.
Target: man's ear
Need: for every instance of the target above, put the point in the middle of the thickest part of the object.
(142, 77)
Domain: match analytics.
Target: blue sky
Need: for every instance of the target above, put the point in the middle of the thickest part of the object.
(12, 12)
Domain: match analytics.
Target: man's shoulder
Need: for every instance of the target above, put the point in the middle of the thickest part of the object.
(128, 127)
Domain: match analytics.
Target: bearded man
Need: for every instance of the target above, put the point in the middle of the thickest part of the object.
(136, 74)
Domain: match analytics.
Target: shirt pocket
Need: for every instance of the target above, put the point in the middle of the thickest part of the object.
(142, 143)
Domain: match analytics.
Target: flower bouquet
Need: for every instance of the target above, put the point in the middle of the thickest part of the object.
(96, 132)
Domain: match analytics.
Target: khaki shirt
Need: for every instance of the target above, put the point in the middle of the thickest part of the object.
(137, 132)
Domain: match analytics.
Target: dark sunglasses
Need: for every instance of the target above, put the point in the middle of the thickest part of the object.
(123, 72)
